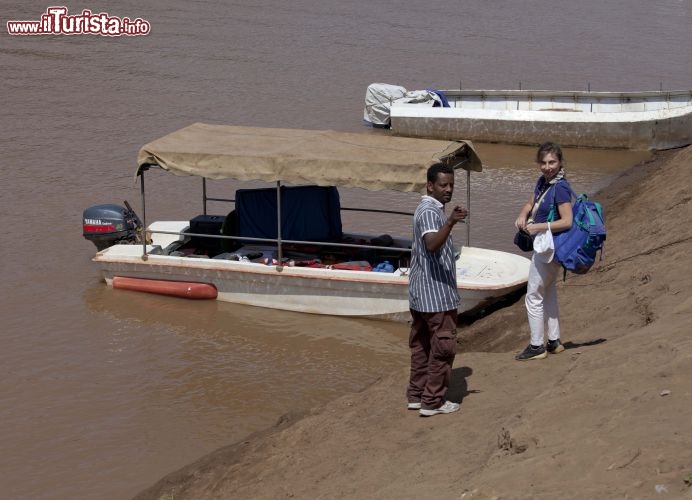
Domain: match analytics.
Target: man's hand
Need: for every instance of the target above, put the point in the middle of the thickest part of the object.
(458, 214)
(434, 241)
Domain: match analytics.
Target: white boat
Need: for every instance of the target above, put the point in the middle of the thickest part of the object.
(296, 257)
(623, 120)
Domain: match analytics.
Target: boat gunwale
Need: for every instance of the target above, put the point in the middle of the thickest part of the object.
(345, 275)
(566, 93)
(577, 116)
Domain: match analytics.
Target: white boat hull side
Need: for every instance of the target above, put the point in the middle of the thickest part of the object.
(630, 120)
(317, 291)
(663, 129)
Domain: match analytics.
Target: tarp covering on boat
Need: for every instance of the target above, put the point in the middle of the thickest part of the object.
(378, 101)
(325, 158)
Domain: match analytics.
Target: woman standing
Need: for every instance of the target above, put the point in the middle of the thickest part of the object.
(549, 208)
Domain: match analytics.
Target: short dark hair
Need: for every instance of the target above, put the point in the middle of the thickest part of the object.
(438, 168)
(546, 148)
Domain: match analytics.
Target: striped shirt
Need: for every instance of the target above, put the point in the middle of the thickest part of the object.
(433, 278)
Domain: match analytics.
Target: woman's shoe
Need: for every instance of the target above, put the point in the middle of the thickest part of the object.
(532, 352)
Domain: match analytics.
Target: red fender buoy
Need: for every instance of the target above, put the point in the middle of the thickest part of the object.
(184, 289)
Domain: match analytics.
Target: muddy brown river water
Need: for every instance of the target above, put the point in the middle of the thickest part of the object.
(103, 391)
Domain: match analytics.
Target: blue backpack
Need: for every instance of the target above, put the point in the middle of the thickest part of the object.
(577, 247)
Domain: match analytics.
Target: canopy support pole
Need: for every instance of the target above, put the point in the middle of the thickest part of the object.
(204, 195)
(144, 216)
(279, 255)
(468, 207)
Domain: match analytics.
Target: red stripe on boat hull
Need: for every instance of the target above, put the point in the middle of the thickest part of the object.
(184, 289)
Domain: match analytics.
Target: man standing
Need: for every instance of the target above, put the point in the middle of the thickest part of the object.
(433, 296)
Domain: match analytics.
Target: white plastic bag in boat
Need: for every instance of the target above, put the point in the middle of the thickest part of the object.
(425, 97)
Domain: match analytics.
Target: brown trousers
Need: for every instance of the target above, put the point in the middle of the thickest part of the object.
(433, 347)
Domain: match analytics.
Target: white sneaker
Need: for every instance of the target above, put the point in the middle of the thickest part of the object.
(447, 407)
(413, 406)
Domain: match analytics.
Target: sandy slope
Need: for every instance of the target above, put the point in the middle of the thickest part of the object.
(611, 417)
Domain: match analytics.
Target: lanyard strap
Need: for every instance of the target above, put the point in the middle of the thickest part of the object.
(536, 203)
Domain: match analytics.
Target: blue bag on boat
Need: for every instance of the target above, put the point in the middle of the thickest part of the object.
(577, 247)
(443, 102)
(383, 267)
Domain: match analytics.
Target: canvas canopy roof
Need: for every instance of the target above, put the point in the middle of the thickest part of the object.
(293, 156)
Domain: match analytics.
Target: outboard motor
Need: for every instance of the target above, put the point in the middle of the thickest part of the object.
(106, 225)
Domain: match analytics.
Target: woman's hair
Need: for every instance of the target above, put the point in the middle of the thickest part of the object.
(438, 168)
(549, 147)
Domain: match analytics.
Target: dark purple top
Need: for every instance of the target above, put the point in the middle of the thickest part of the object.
(560, 192)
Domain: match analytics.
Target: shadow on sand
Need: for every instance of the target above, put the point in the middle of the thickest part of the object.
(458, 388)
(470, 317)
(576, 345)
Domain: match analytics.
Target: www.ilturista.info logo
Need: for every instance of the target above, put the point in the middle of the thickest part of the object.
(56, 22)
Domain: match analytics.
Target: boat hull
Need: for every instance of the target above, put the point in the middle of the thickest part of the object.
(315, 290)
(639, 121)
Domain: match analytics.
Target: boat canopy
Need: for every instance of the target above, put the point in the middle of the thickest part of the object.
(294, 156)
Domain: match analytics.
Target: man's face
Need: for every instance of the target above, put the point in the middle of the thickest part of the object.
(442, 188)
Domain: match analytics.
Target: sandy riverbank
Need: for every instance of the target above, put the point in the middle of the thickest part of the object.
(611, 417)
